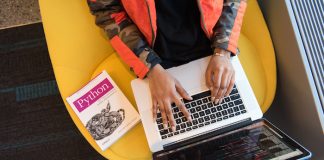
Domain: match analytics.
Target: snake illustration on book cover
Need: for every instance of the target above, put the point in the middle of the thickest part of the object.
(105, 123)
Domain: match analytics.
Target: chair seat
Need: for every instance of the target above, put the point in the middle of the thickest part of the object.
(79, 51)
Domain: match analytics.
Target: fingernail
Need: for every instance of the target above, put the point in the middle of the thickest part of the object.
(165, 126)
(216, 101)
(189, 119)
(173, 128)
(190, 98)
(213, 99)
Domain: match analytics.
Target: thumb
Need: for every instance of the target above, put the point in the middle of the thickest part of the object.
(182, 92)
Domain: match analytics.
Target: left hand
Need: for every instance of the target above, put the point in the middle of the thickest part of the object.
(220, 75)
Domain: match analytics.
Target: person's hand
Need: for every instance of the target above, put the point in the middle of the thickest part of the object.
(165, 90)
(220, 76)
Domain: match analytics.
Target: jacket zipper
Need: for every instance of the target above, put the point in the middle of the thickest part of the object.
(202, 18)
(153, 35)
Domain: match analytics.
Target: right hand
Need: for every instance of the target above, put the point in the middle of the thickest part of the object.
(165, 90)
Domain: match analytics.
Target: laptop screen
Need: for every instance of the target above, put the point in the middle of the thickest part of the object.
(256, 141)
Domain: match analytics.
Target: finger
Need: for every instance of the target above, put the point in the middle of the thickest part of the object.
(182, 92)
(183, 108)
(231, 84)
(217, 79)
(224, 84)
(163, 115)
(168, 111)
(154, 109)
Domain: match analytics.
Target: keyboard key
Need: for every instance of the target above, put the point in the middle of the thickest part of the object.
(212, 116)
(163, 132)
(234, 91)
(230, 110)
(192, 110)
(170, 134)
(193, 104)
(175, 110)
(175, 116)
(164, 137)
(177, 127)
(225, 106)
(180, 114)
(183, 119)
(183, 125)
(209, 105)
(196, 115)
(207, 123)
(206, 118)
(200, 120)
(218, 114)
(231, 115)
(227, 99)
(173, 105)
(213, 121)
(235, 97)
(219, 119)
(194, 127)
(158, 114)
(182, 131)
(204, 106)
(189, 124)
(160, 126)
(207, 112)
(159, 120)
(224, 112)
(199, 102)
(176, 133)
(205, 100)
(209, 99)
(238, 102)
(198, 108)
(188, 129)
(241, 107)
(187, 105)
(194, 122)
(219, 108)
(236, 109)
(237, 113)
(202, 113)
(244, 111)
(178, 121)
(225, 117)
(213, 110)
(231, 104)
(200, 125)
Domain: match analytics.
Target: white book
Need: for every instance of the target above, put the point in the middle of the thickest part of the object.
(104, 110)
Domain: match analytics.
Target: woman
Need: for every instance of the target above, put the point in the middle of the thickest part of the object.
(151, 36)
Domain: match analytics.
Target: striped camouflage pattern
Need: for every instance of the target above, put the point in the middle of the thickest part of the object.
(112, 18)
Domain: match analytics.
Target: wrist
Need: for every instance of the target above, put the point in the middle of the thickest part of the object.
(222, 53)
(154, 70)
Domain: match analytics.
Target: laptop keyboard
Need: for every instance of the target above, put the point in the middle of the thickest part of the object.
(203, 112)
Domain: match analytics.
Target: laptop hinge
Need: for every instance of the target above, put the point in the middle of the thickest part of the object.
(208, 134)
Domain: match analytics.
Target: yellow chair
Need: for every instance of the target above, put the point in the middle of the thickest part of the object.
(79, 51)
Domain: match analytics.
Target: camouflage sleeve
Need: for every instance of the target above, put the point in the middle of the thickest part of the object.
(112, 18)
(228, 27)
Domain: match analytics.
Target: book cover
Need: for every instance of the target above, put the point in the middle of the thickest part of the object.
(104, 110)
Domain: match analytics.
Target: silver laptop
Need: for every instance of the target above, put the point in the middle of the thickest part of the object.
(238, 109)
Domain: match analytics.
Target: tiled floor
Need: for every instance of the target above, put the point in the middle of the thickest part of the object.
(34, 123)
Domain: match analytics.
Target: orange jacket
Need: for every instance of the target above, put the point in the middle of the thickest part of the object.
(131, 27)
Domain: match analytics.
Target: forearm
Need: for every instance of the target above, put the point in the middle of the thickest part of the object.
(228, 27)
(124, 36)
